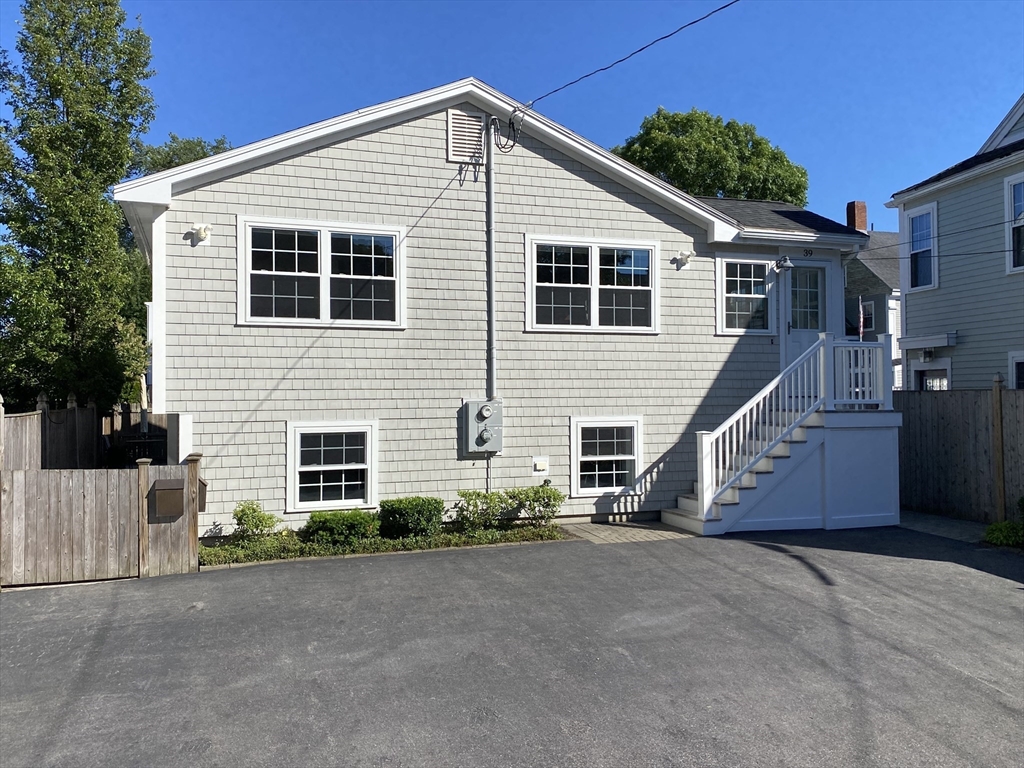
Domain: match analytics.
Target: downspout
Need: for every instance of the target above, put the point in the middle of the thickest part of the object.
(492, 377)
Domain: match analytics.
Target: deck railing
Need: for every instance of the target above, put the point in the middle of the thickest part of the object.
(830, 375)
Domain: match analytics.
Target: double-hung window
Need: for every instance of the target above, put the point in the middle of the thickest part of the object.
(311, 273)
(743, 296)
(1015, 223)
(606, 454)
(922, 254)
(602, 286)
(331, 465)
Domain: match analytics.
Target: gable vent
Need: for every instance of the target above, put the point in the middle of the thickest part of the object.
(465, 136)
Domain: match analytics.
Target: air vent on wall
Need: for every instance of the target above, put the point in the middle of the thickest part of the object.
(465, 136)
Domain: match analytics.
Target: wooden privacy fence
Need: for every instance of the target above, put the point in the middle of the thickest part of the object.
(58, 438)
(81, 525)
(962, 452)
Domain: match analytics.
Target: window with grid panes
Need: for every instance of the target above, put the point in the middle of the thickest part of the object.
(921, 250)
(571, 280)
(332, 467)
(322, 274)
(746, 296)
(1017, 225)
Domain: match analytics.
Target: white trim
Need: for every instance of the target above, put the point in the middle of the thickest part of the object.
(161, 187)
(1012, 358)
(771, 282)
(932, 341)
(576, 423)
(905, 246)
(1008, 184)
(824, 239)
(244, 226)
(295, 429)
(938, 364)
(1001, 135)
(158, 315)
(872, 305)
(993, 166)
(531, 241)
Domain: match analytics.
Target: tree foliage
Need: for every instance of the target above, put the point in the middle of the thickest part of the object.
(78, 107)
(174, 152)
(701, 154)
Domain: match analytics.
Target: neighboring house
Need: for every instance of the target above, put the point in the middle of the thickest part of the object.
(380, 305)
(872, 280)
(962, 267)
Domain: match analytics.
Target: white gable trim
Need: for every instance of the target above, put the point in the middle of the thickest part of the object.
(159, 188)
(1001, 135)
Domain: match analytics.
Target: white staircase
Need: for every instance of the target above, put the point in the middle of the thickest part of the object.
(762, 468)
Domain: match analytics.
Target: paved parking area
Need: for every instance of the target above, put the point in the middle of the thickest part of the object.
(853, 648)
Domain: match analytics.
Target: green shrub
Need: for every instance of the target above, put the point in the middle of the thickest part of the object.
(479, 511)
(535, 505)
(411, 516)
(340, 528)
(251, 521)
(1008, 533)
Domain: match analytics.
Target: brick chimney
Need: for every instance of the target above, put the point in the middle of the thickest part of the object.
(857, 215)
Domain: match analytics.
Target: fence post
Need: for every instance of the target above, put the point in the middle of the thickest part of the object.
(43, 406)
(143, 465)
(2, 430)
(998, 468)
(192, 507)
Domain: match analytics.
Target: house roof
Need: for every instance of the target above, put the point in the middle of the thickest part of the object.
(882, 256)
(972, 162)
(143, 198)
(1008, 127)
(773, 215)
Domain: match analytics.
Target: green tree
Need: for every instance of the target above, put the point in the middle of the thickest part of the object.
(174, 152)
(703, 155)
(78, 106)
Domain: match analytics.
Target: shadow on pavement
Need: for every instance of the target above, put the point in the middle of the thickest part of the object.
(896, 542)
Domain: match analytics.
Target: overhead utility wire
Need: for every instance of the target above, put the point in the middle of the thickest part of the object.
(936, 236)
(530, 104)
(507, 144)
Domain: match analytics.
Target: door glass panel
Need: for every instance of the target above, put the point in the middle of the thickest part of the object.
(807, 299)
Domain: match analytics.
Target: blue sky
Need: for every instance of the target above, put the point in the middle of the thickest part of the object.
(869, 96)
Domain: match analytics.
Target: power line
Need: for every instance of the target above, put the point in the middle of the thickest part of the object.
(530, 104)
(936, 236)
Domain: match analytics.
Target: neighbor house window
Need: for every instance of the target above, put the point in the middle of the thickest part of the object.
(1015, 223)
(592, 286)
(743, 296)
(606, 455)
(331, 465)
(1016, 378)
(310, 273)
(922, 247)
(868, 311)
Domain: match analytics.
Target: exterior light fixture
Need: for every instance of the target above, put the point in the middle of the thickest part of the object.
(201, 232)
(784, 264)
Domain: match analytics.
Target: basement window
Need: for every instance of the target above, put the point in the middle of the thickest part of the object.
(316, 274)
(592, 285)
(606, 455)
(331, 465)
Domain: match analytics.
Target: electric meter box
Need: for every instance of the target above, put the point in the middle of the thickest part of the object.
(482, 426)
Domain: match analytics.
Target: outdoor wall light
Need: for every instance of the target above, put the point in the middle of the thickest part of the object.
(784, 264)
(201, 232)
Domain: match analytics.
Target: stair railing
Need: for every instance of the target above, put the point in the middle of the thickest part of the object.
(830, 374)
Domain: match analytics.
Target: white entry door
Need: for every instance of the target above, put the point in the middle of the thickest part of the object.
(803, 314)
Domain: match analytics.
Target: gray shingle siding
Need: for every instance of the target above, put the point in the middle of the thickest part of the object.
(244, 383)
(976, 297)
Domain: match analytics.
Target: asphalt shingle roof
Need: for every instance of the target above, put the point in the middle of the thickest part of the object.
(767, 214)
(966, 165)
(881, 255)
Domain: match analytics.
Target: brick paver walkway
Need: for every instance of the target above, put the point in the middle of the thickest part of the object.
(624, 533)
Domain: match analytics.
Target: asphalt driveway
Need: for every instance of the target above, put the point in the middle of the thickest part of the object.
(861, 648)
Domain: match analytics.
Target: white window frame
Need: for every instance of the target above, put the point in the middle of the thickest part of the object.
(594, 244)
(907, 244)
(871, 304)
(245, 225)
(1008, 185)
(771, 280)
(295, 430)
(576, 424)
(1013, 358)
